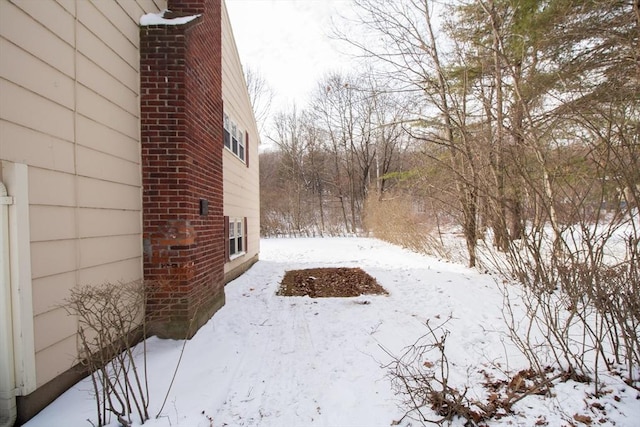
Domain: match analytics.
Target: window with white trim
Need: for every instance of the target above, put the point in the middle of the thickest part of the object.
(227, 131)
(234, 138)
(236, 236)
(241, 145)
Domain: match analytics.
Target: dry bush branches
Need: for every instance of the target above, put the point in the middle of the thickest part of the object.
(110, 323)
(581, 314)
(421, 376)
(112, 319)
(395, 220)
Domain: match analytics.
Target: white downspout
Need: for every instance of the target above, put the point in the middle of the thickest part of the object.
(8, 411)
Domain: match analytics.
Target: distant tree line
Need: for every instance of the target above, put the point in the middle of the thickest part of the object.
(330, 157)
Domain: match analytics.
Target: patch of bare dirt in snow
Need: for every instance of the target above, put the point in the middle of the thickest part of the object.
(329, 282)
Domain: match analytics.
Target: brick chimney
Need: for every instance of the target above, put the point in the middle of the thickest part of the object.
(182, 143)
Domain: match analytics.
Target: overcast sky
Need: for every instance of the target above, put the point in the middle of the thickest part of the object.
(288, 42)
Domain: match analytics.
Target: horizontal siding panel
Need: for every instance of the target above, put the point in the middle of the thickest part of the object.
(100, 109)
(79, 133)
(110, 249)
(98, 80)
(22, 145)
(52, 325)
(27, 71)
(122, 271)
(235, 202)
(239, 190)
(94, 193)
(47, 187)
(68, 5)
(99, 165)
(152, 5)
(99, 137)
(235, 205)
(51, 15)
(54, 360)
(98, 24)
(52, 223)
(38, 41)
(133, 9)
(55, 257)
(96, 50)
(25, 108)
(126, 24)
(49, 291)
(108, 222)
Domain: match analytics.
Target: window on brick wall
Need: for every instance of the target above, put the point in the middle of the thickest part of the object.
(227, 131)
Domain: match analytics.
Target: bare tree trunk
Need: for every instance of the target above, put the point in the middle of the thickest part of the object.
(467, 192)
(516, 226)
(499, 223)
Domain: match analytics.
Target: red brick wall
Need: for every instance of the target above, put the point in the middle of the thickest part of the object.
(181, 132)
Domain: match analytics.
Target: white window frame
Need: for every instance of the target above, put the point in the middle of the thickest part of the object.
(227, 131)
(237, 236)
(234, 138)
(241, 146)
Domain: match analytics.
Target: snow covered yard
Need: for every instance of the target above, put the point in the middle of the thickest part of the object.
(266, 360)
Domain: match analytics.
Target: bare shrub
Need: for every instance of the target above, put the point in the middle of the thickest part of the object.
(617, 298)
(421, 376)
(110, 323)
(581, 299)
(613, 291)
(112, 319)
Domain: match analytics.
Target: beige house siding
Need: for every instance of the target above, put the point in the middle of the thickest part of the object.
(69, 110)
(241, 185)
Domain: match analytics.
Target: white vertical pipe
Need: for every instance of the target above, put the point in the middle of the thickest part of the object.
(16, 177)
(8, 411)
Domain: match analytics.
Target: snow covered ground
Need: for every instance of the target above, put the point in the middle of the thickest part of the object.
(265, 360)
